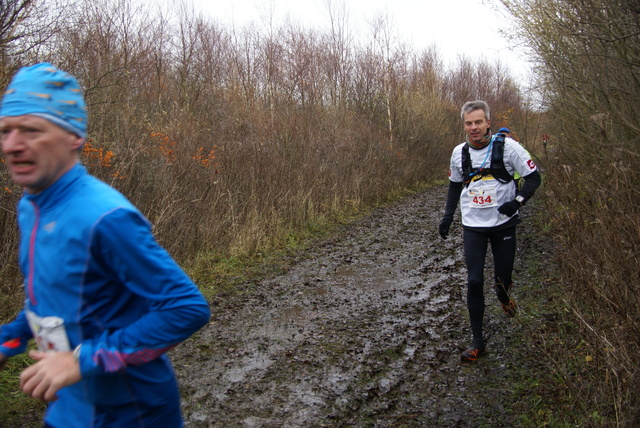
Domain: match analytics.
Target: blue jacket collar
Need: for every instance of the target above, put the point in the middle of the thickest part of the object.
(50, 196)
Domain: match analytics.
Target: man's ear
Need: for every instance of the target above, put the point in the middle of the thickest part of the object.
(77, 143)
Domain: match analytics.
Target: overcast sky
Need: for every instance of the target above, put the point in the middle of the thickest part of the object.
(455, 27)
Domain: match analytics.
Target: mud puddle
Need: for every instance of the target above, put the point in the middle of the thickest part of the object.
(365, 329)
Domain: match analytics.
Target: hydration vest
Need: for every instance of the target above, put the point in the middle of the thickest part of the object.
(496, 169)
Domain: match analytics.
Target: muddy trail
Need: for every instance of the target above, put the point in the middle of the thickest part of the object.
(363, 329)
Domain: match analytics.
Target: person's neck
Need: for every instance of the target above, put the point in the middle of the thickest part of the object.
(481, 143)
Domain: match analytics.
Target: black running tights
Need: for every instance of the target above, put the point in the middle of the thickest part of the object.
(503, 247)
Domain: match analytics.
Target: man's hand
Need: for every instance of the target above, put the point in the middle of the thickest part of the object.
(51, 372)
(445, 225)
(509, 208)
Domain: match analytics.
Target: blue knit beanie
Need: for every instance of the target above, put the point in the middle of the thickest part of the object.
(47, 92)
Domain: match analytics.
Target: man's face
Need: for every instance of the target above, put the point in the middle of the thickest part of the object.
(476, 125)
(36, 151)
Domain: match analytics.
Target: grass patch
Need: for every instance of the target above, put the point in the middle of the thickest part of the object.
(216, 273)
(18, 410)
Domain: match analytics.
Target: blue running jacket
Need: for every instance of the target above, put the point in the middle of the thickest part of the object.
(88, 256)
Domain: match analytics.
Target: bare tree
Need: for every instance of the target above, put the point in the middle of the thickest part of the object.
(12, 14)
(26, 28)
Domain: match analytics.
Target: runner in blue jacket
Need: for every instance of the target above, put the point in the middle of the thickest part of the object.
(104, 301)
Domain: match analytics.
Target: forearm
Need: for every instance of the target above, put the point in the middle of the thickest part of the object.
(143, 341)
(531, 183)
(453, 196)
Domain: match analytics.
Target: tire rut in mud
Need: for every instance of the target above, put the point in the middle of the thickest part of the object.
(365, 329)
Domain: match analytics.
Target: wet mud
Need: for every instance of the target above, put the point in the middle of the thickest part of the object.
(364, 329)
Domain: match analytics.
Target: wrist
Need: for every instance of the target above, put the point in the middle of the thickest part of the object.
(520, 199)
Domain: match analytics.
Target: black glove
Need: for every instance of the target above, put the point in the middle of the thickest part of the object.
(445, 225)
(509, 208)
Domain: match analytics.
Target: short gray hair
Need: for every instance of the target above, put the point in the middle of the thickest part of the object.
(470, 106)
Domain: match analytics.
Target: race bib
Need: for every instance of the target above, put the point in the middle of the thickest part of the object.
(49, 332)
(483, 198)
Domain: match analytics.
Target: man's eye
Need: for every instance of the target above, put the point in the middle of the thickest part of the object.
(30, 130)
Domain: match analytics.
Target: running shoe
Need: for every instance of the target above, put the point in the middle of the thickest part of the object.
(510, 309)
(472, 353)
